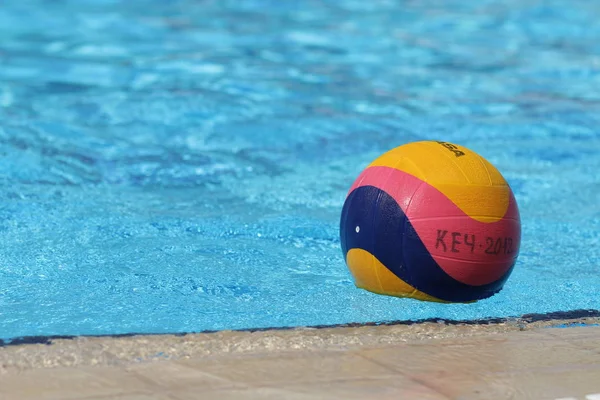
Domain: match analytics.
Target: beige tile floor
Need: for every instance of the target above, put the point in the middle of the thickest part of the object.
(422, 361)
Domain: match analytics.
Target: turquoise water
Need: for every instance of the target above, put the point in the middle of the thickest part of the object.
(181, 166)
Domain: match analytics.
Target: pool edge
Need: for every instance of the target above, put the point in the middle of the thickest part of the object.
(523, 319)
(131, 349)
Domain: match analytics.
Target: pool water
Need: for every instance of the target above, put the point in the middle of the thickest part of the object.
(181, 166)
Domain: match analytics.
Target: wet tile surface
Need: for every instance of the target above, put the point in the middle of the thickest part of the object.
(69, 383)
(173, 375)
(292, 368)
(535, 364)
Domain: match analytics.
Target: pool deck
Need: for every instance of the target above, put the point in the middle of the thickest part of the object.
(431, 361)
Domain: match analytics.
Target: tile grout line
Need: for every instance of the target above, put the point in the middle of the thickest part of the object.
(167, 391)
(397, 372)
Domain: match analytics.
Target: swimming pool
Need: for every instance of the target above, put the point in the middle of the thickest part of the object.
(181, 166)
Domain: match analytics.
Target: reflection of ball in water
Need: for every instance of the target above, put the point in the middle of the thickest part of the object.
(432, 221)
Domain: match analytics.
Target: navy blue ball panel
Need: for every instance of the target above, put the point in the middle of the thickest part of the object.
(374, 222)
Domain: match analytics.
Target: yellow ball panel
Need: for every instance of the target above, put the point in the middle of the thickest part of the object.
(370, 274)
(468, 180)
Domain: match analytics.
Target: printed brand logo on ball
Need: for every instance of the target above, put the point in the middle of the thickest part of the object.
(453, 148)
